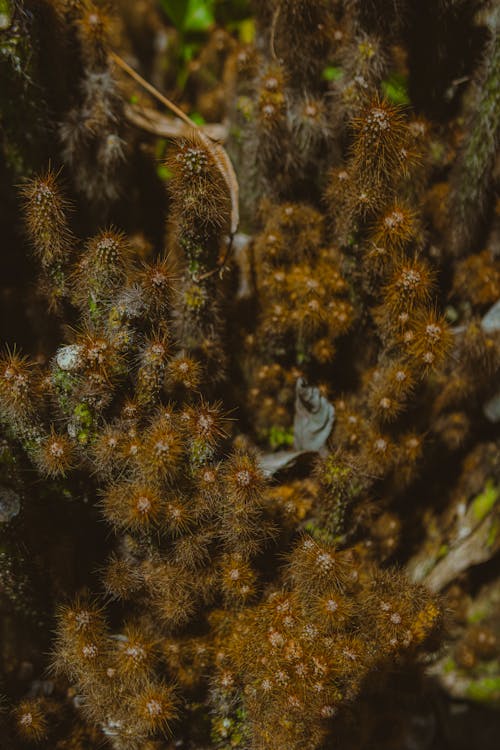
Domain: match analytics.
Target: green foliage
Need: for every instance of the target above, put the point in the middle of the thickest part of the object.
(395, 89)
(280, 437)
(190, 15)
(194, 19)
(332, 73)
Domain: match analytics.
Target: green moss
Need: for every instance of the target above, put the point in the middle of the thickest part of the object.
(201, 452)
(320, 533)
(395, 89)
(476, 616)
(230, 731)
(84, 419)
(302, 357)
(485, 690)
(484, 502)
(280, 437)
(194, 267)
(83, 413)
(191, 246)
(64, 382)
(335, 472)
(443, 551)
(449, 666)
(194, 298)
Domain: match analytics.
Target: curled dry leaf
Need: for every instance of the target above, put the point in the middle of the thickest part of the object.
(155, 122)
(314, 417)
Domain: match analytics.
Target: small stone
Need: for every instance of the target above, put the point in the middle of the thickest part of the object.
(10, 504)
(491, 321)
(491, 409)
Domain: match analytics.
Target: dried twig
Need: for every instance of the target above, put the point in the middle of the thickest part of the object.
(152, 90)
(221, 158)
(272, 47)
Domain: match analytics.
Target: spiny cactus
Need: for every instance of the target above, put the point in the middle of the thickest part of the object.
(256, 351)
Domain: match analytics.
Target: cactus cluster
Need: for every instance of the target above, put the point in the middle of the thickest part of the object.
(251, 346)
